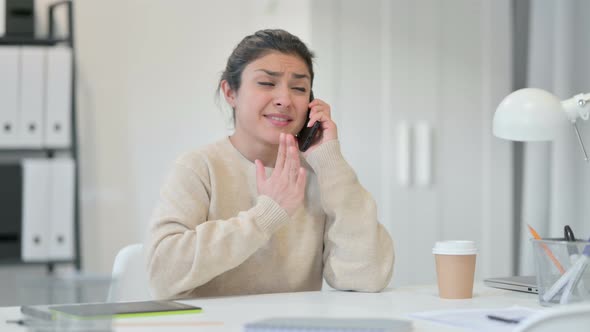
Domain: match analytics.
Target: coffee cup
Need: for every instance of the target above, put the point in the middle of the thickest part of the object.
(455, 268)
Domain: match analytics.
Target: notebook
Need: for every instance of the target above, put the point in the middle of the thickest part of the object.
(105, 310)
(527, 284)
(310, 324)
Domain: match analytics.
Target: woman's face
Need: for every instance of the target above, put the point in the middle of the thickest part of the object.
(273, 98)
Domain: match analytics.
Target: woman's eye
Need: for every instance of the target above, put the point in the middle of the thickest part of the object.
(300, 89)
(266, 83)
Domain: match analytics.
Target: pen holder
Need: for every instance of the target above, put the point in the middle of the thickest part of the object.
(563, 274)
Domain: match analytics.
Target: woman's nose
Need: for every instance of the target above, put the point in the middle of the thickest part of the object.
(282, 99)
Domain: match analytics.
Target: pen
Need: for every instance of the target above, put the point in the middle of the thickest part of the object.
(505, 320)
(568, 233)
(547, 250)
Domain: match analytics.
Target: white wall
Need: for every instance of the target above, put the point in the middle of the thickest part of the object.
(148, 71)
(147, 74)
(556, 177)
(446, 66)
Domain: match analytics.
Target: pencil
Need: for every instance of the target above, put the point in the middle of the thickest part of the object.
(547, 250)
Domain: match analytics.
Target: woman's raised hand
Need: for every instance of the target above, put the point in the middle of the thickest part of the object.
(286, 185)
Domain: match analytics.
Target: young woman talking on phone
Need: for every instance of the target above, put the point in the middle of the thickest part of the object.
(251, 213)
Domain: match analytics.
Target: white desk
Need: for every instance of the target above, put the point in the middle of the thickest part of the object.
(231, 313)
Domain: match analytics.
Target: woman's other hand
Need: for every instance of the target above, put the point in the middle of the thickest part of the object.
(286, 185)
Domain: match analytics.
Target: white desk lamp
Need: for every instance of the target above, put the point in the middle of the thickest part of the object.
(537, 115)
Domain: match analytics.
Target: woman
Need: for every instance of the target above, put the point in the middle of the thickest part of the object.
(228, 223)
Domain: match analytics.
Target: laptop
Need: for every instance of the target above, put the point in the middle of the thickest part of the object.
(527, 284)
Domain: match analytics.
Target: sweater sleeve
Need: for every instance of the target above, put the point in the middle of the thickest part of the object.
(358, 251)
(185, 250)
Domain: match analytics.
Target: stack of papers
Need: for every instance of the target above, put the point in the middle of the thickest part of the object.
(477, 319)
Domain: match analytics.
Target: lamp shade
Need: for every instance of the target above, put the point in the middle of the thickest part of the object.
(529, 115)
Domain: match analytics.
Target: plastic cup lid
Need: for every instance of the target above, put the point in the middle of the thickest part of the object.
(454, 248)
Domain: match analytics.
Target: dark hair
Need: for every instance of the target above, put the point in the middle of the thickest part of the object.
(259, 44)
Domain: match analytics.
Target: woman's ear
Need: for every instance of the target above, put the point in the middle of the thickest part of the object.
(228, 93)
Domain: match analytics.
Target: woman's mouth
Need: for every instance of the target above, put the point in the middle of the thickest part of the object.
(278, 120)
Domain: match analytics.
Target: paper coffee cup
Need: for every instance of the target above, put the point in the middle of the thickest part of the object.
(455, 268)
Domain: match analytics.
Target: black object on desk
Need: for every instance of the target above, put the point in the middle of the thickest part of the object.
(505, 320)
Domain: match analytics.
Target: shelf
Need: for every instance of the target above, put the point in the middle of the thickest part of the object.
(15, 261)
(10, 243)
(41, 149)
(19, 41)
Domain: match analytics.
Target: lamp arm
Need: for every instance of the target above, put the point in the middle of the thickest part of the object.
(578, 107)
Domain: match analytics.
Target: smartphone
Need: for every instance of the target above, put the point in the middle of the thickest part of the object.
(307, 134)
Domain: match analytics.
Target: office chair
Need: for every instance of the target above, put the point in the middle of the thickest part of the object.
(573, 317)
(129, 275)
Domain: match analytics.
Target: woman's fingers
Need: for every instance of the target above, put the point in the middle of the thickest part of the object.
(318, 116)
(301, 180)
(295, 163)
(281, 155)
(319, 112)
(288, 159)
(288, 162)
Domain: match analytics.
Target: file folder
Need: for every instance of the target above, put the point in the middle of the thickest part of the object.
(11, 211)
(31, 99)
(58, 92)
(2, 18)
(61, 209)
(35, 220)
(9, 64)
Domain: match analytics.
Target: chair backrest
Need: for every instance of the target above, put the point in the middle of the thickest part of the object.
(129, 275)
(574, 317)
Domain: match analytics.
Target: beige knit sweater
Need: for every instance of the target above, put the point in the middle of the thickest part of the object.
(213, 235)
